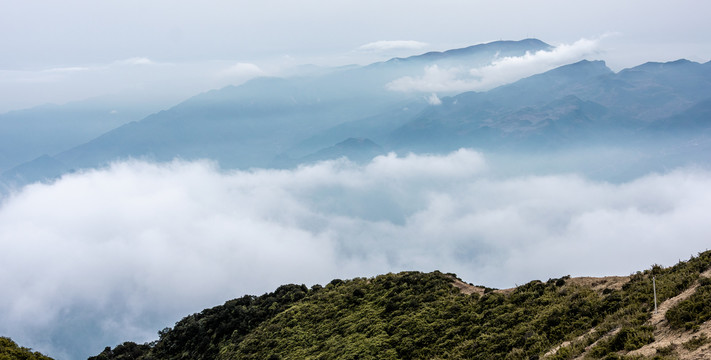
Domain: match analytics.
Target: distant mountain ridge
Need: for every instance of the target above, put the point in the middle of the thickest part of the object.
(49, 129)
(355, 149)
(587, 99)
(267, 120)
(251, 124)
(496, 48)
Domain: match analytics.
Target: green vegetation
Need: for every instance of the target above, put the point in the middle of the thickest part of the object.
(628, 338)
(9, 350)
(634, 303)
(695, 310)
(414, 315)
(421, 316)
(696, 342)
(666, 351)
(200, 336)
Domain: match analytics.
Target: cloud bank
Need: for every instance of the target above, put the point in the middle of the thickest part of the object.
(246, 70)
(501, 70)
(116, 254)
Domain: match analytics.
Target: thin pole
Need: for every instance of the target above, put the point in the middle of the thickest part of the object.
(654, 286)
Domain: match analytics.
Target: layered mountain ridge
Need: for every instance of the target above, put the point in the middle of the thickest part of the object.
(277, 121)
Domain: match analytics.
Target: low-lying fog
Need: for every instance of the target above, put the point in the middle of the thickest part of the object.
(105, 256)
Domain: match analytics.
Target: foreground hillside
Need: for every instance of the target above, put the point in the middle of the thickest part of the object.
(9, 350)
(414, 315)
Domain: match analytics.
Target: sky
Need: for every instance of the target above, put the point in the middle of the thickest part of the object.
(169, 50)
(102, 256)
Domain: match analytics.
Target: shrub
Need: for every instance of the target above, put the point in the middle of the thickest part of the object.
(694, 311)
(696, 342)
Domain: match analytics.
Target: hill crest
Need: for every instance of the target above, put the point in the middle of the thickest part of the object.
(436, 315)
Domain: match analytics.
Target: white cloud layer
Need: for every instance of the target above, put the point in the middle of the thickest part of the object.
(433, 99)
(501, 70)
(386, 45)
(137, 61)
(100, 257)
(246, 70)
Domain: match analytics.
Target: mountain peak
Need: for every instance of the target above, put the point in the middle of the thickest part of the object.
(581, 69)
(598, 65)
(654, 66)
(506, 47)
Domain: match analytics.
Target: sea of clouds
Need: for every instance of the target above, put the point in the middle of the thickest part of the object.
(104, 256)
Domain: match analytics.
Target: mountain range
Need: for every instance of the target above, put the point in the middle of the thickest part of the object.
(658, 109)
(50, 129)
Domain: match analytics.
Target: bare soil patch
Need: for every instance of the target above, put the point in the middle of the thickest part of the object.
(467, 288)
(600, 283)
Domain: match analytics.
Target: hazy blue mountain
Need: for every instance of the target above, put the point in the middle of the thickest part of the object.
(241, 127)
(49, 129)
(482, 51)
(282, 121)
(376, 127)
(471, 57)
(36, 170)
(581, 103)
(684, 137)
(694, 119)
(252, 124)
(355, 149)
(514, 114)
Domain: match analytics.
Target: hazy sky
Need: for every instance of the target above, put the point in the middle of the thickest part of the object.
(59, 51)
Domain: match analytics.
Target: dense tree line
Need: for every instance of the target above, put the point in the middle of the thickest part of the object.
(200, 336)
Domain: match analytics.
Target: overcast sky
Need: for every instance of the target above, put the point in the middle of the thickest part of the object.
(60, 51)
